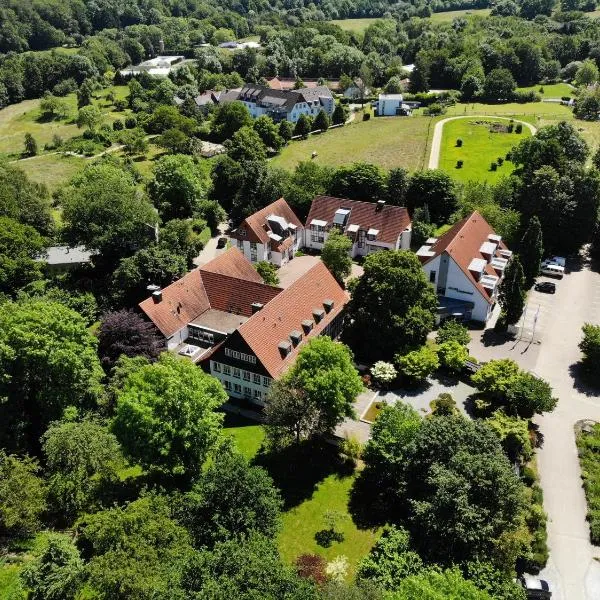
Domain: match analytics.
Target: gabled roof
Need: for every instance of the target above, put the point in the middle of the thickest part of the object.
(463, 242)
(288, 83)
(256, 225)
(264, 331)
(390, 221)
(228, 283)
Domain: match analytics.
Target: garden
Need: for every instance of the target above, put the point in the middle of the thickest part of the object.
(588, 445)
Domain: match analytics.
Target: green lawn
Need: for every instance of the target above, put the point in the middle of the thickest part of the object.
(527, 112)
(448, 16)
(248, 435)
(551, 90)
(354, 25)
(385, 141)
(480, 147)
(52, 169)
(588, 445)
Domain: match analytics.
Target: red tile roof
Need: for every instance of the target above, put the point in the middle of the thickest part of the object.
(285, 313)
(228, 283)
(462, 242)
(390, 221)
(256, 226)
(288, 83)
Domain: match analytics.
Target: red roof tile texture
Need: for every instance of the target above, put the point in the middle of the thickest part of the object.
(285, 313)
(256, 225)
(390, 221)
(462, 242)
(229, 283)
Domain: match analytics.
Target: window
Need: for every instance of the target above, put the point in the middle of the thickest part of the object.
(256, 378)
(240, 244)
(246, 375)
(257, 394)
(266, 381)
(247, 391)
(242, 232)
(227, 385)
(201, 335)
(226, 370)
(237, 388)
(432, 276)
(240, 355)
(236, 373)
(216, 367)
(317, 233)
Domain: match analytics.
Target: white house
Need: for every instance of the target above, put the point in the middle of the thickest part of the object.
(159, 66)
(273, 234)
(283, 104)
(466, 265)
(371, 226)
(391, 105)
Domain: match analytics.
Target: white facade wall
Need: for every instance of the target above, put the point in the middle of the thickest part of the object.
(177, 338)
(403, 242)
(301, 108)
(387, 108)
(251, 385)
(257, 252)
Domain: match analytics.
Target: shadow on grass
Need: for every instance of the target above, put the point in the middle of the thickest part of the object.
(326, 537)
(298, 469)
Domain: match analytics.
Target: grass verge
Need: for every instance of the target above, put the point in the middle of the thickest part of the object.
(588, 444)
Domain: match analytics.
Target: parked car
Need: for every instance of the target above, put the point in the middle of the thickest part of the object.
(552, 270)
(561, 261)
(535, 589)
(221, 242)
(548, 287)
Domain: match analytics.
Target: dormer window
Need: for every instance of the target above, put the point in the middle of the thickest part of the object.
(242, 232)
(296, 337)
(307, 325)
(285, 347)
(318, 314)
(328, 304)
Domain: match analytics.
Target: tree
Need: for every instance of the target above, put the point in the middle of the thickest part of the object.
(511, 292)
(104, 210)
(174, 141)
(269, 132)
(290, 415)
(166, 416)
(84, 93)
(303, 126)
(228, 119)
(321, 121)
(496, 377)
(531, 250)
(590, 347)
(286, 130)
(81, 458)
(587, 74)
(436, 585)
(231, 500)
(134, 551)
(48, 359)
(268, 271)
(246, 145)
(422, 228)
(134, 141)
(336, 254)
(90, 117)
(499, 85)
(397, 184)
(57, 573)
(20, 246)
(339, 116)
(31, 147)
(452, 330)
(418, 365)
(460, 484)
(324, 370)
(390, 560)
(125, 333)
(359, 181)
(392, 307)
(180, 183)
(453, 355)
(436, 190)
(22, 495)
(52, 107)
(529, 395)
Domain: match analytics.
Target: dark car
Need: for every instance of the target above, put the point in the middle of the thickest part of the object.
(536, 589)
(546, 286)
(221, 242)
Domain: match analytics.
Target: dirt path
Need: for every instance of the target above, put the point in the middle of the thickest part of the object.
(436, 141)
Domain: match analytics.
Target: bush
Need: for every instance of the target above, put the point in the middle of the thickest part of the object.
(118, 125)
(351, 448)
(453, 355)
(131, 122)
(590, 347)
(519, 128)
(459, 164)
(453, 330)
(419, 364)
(311, 566)
(435, 109)
(366, 116)
(500, 160)
(443, 405)
(383, 372)
(459, 143)
(493, 167)
(526, 97)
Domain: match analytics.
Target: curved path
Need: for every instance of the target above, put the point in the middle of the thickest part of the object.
(436, 141)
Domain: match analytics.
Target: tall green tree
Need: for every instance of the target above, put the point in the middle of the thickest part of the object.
(321, 122)
(359, 181)
(511, 292)
(531, 250)
(228, 119)
(336, 254)
(436, 190)
(48, 360)
(392, 307)
(30, 145)
(303, 126)
(166, 418)
(268, 271)
(269, 132)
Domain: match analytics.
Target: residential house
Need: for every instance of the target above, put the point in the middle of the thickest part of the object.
(59, 259)
(242, 331)
(466, 265)
(391, 105)
(357, 90)
(273, 234)
(283, 105)
(289, 83)
(371, 226)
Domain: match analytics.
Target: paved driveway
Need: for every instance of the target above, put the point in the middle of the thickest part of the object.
(211, 251)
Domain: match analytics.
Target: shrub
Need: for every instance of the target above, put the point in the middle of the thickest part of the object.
(383, 372)
(493, 167)
(118, 125)
(590, 347)
(417, 365)
(443, 405)
(453, 330)
(311, 566)
(510, 128)
(519, 128)
(453, 355)
(459, 164)
(351, 448)
(459, 143)
(500, 160)
(366, 116)
(541, 90)
(131, 123)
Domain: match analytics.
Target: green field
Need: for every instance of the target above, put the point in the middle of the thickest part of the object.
(480, 147)
(526, 112)
(354, 25)
(51, 169)
(551, 90)
(448, 16)
(385, 141)
(248, 435)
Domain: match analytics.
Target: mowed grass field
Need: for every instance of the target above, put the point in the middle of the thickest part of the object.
(385, 141)
(354, 25)
(52, 169)
(480, 147)
(551, 90)
(448, 16)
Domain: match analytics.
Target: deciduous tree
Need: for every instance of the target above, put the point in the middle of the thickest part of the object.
(433, 188)
(268, 271)
(531, 250)
(418, 365)
(336, 254)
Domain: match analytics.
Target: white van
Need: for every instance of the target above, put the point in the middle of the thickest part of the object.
(553, 271)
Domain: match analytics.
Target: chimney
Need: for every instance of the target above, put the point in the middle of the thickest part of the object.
(157, 296)
(380, 205)
(256, 306)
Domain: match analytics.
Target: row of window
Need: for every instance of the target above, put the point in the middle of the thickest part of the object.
(237, 388)
(240, 356)
(241, 374)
